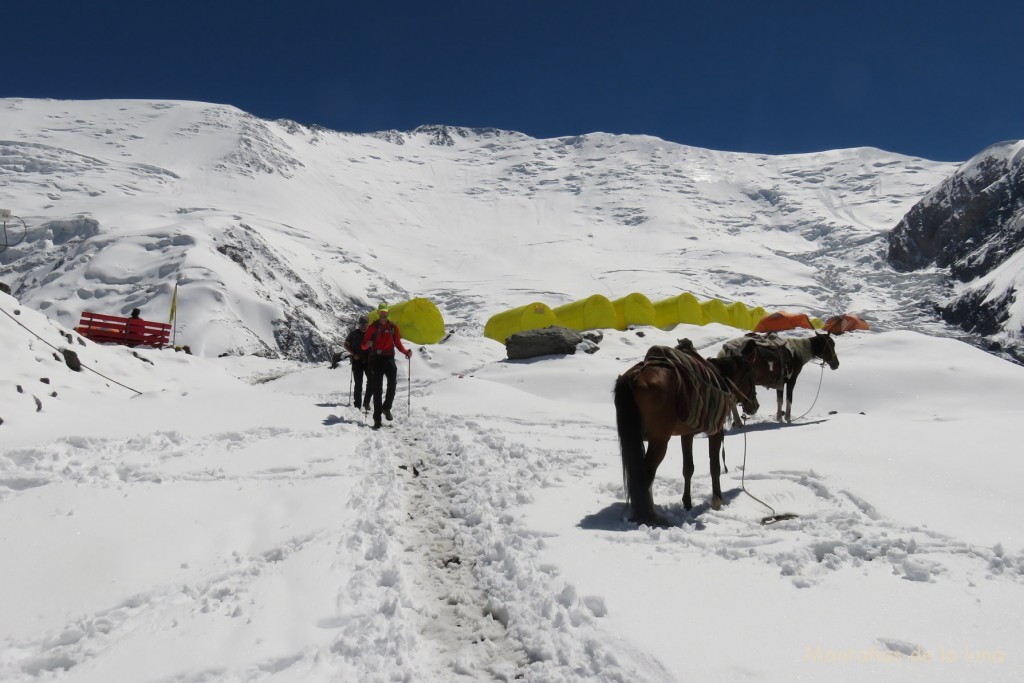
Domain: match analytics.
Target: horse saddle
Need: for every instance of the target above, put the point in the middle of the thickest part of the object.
(772, 351)
(704, 400)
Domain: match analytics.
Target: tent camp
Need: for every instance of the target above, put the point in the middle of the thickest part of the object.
(754, 316)
(739, 315)
(634, 309)
(593, 313)
(418, 320)
(714, 311)
(674, 310)
(839, 324)
(533, 316)
(781, 320)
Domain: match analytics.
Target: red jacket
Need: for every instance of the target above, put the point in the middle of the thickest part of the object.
(384, 340)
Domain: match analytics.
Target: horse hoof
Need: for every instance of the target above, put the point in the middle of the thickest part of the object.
(716, 503)
(650, 520)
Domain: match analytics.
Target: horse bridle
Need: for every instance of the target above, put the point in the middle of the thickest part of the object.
(736, 390)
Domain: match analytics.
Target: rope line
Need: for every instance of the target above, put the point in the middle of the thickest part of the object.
(24, 327)
(774, 516)
(818, 393)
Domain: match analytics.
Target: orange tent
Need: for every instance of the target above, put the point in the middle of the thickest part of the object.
(838, 324)
(780, 320)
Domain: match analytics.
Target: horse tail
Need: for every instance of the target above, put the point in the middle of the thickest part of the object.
(631, 448)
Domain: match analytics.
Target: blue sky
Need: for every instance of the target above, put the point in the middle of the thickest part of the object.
(940, 80)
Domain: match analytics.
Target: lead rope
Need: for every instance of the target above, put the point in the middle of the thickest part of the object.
(821, 377)
(772, 518)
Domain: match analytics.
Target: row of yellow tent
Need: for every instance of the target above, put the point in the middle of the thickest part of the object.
(598, 312)
(421, 322)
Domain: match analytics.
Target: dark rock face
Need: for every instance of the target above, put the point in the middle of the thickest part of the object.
(545, 342)
(972, 313)
(972, 223)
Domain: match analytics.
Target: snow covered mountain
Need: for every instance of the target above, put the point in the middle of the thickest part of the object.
(278, 233)
(973, 224)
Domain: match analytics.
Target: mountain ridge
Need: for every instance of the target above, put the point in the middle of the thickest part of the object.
(279, 233)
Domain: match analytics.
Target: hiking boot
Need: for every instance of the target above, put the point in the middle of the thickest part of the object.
(376, 425)
(387, 414)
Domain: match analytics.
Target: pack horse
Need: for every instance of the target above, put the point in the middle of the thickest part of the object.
(779, 360)
(676, 392)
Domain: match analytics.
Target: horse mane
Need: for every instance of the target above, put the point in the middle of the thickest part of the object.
(802, 349)
(725, 365)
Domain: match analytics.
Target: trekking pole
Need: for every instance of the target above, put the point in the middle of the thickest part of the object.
(408, 391)
(350, 374)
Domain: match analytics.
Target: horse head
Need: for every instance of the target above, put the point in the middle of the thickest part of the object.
(824, 347)
(742, 377)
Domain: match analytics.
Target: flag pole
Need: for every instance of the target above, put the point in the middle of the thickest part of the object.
(173, 318)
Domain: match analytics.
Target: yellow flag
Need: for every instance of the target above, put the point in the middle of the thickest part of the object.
(174, 304)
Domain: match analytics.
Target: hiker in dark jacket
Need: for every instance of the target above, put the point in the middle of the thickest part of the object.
(381, 340)
(354, 345)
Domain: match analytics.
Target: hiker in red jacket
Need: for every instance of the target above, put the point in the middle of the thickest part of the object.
(381, 340)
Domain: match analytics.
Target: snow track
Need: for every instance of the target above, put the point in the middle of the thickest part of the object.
(458, 575)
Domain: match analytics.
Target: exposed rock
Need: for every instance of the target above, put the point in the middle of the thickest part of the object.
(973, 224)
(544, 342)
(72, 360)
(970, 223)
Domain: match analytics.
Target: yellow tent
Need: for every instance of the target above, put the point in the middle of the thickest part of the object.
(715, 312)
(755, 315)
(593, 313)
(683, 308)
(418, 320)
(634, 309)
(739, 315)
(533, 316)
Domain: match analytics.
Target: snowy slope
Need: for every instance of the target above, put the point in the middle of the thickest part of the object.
(175, 517)
(279, 233)
(238, 521)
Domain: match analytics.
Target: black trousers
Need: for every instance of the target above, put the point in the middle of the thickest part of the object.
(381, 367)
(358, 370)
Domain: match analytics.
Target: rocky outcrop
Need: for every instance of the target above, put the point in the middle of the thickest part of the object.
(970, 223)
(973, 224)
(544, 342)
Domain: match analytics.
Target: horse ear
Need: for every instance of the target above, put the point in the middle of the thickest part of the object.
(685, 344)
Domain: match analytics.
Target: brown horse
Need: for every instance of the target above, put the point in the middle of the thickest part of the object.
(675, 392)
(780, 360)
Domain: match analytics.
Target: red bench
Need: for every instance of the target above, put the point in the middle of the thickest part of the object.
(113, 329)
